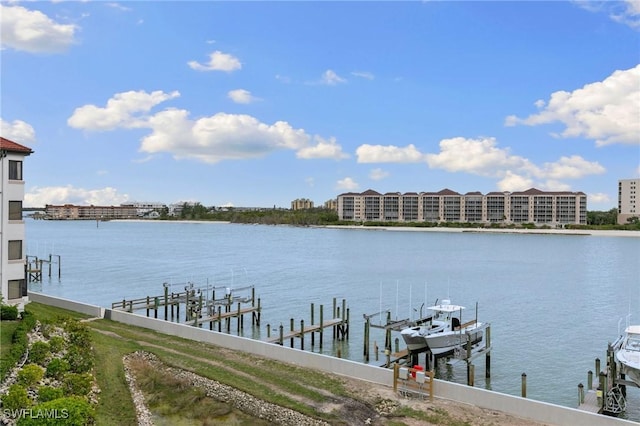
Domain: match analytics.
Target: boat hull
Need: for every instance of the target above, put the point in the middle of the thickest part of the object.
(630, 363)
(447, 342)
(414, 339)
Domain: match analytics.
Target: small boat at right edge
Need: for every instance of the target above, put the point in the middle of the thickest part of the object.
(628, 353)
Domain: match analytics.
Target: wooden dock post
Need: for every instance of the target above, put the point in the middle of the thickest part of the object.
(291, 328)
(281, 335)
(589, 380)
(166, 300)
(524, 385)
(366, 339)
(313, 334)
(302, 334)
(321, 329)
(580, 393)
(598, 366)
(487, 359)
(268, 331)
(147, 306)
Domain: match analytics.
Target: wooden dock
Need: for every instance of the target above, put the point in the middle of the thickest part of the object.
(291, 334)
(590, 402)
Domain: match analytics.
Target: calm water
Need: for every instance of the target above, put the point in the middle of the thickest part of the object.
(553, 301)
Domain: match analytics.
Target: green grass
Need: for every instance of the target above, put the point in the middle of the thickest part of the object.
(7, 328)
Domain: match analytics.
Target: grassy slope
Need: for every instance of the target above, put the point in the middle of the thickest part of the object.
(265, 379)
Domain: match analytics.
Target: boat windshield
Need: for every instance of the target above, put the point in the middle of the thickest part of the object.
(633, 343)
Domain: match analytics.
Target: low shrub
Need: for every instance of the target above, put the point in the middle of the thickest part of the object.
(56, 344)
(19, 343)
(57, 368)
(80, 358)
(47, 393)
(39, 352)
(77, 384)
(16, 398)
(70, 411)
(30, 375)
(8, 313)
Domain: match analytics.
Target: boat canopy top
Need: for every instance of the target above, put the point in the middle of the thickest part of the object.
(633, 329)
(446, 308)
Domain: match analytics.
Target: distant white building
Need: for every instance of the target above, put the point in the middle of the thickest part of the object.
(13, 283)
(145, 208)
(628, 200)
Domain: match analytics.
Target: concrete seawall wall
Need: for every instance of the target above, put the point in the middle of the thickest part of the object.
(520, 407)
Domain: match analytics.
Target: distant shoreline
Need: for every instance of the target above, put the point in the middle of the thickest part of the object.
(542, 231)
(578, 232)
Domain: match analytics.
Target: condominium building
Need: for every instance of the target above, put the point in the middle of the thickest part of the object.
(73, 212)
(301, 204)
(13, 284)
(628, 200)
(530, 206)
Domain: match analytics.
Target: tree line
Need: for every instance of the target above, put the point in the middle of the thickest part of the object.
(320, 216)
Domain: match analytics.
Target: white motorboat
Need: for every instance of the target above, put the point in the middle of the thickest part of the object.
(628, 353)
(442, 332)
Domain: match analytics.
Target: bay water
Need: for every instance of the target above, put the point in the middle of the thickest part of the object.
(553, 301)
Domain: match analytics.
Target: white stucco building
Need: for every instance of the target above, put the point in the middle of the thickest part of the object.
(12, 228)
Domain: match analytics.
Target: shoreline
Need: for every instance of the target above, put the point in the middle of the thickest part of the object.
(541, 231)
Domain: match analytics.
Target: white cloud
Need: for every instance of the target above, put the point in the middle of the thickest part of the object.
(482, 157)
(330, 78)
(626, 12)
(346, 184)
(388, 154)
(599, 198)
(605, 111)
(514, 182)
(218, 61)
(378, 174)
(17, 131)
(39, 197)
(118, 6)
(121, 111)
(322, 149)
(241, 96)
(363, 74)
(219, 137)
(574, 167)
(33, 31)
(477, 156)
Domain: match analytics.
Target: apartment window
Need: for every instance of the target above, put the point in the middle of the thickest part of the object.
(15, 249)
(15, 170)
(15, 210)
(17, 289)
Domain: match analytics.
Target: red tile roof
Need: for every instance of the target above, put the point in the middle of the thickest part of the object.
(11, 146)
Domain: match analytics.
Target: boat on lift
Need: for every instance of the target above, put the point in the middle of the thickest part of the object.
(442, 332)
(627, 350)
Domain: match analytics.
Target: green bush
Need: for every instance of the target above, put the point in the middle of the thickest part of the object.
(71, 411)
(30, 375)
(79, 334)
(8, 313)
(56, 344)
(80, 358)
(57, 368)
(39, 352)
(47, 393)
(19, 343)
(16, 398)
(77, 384)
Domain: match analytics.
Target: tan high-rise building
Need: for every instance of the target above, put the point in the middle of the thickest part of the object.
(554, 209)
(628, 200)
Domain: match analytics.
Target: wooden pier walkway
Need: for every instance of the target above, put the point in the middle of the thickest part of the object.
(306, 329)
(590, 403)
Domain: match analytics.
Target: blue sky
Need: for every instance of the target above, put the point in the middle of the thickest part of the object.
(260, 103)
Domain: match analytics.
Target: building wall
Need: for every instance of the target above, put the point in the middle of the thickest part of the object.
(628, 199)
(301, 204)
(532, 206)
